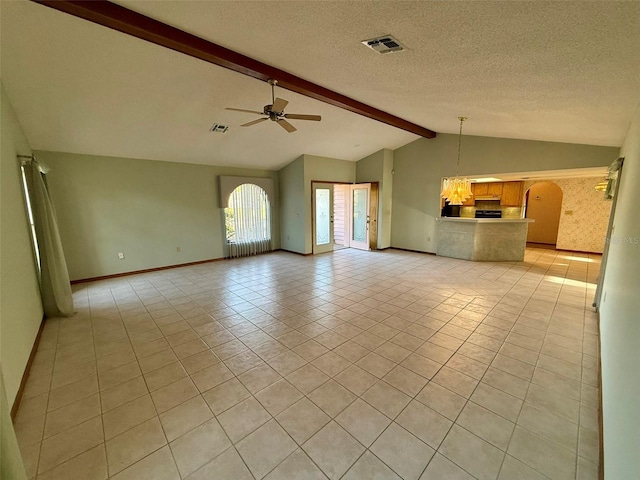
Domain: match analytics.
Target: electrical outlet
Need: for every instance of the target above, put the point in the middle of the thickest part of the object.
(428, 239)
(178, 249)
(121, 255)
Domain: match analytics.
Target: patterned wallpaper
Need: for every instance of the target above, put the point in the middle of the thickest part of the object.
(585, 228)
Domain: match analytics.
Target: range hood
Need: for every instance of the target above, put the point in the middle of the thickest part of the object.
(487, 197)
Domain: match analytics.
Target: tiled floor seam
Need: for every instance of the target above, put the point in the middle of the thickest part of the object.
(296, 329)
(523, 400)
(523, 404)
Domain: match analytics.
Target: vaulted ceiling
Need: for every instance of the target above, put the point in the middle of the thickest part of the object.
(555, 71)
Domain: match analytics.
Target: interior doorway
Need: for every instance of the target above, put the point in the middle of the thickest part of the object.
(544, 205)
(344, 216)
(341, 233)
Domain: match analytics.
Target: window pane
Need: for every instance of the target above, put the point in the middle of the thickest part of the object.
(34, 239)
(359, 215)
(323, 216)
(247, 221)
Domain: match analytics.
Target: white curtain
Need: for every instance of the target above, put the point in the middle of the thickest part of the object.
(55, 287)
(248, 221)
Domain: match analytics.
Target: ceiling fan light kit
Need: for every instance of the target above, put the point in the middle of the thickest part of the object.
(275, 112)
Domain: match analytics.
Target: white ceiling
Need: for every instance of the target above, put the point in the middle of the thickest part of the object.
(556, 71)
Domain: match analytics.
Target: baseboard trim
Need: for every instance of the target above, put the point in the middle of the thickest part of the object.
(27, 370)
(578, 251)
(410, 250)
(552, 246)
(146, 270)
(296, 253)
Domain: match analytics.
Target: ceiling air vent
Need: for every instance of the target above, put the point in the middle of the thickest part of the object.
(386, 44)
(217, 128)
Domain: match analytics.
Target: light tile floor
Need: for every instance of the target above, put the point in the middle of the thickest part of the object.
(352, 365)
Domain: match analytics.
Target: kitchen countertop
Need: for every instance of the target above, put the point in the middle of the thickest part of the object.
(486, 220)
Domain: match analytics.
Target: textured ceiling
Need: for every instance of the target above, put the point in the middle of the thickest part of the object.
(556, 71)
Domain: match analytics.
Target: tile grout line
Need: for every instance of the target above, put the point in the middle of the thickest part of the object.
(347, 294)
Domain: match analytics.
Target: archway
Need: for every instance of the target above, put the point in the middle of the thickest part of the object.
(544, 205)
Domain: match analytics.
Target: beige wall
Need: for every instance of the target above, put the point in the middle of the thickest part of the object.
(145, 209)
(378, 167)
(420, 166)
(585, 228)
(11, 465)
(292, 211)
(20, 305)
(20, 308)
(620, 323)
(544, 206)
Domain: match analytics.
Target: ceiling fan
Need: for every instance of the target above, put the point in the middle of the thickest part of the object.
(275, 112)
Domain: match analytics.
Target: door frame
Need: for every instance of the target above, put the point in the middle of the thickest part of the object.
(347, 211)
(374, 202)
(527, 210)
(329, 247)
(364, 244)
(597, 297)
(313, 209)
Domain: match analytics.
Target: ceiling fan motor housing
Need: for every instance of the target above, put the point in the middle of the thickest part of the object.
(272, 115)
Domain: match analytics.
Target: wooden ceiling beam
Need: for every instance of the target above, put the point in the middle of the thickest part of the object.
(140, 26)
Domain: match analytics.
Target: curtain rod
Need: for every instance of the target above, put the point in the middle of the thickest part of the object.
(25, 159)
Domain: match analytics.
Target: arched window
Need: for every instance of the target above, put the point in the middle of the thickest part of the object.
(248, 221)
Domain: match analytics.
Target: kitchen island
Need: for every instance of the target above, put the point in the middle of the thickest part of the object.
(483, 239)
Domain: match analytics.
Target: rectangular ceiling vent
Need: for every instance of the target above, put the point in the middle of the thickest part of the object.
(217, 128)
(386, 44)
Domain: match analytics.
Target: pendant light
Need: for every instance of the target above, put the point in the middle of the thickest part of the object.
(456, 190)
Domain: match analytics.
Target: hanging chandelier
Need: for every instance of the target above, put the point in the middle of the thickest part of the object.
(456, 190)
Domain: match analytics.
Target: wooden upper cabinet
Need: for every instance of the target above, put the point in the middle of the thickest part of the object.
(494, 189)
(480, 189)
(511, 194)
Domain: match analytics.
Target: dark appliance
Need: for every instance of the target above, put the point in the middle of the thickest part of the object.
(488, 213)
(450, 210)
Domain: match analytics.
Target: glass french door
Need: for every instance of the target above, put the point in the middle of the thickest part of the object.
(322, 217)
(360, 197)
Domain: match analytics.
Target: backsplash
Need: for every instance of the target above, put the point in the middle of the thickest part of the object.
(507, 212)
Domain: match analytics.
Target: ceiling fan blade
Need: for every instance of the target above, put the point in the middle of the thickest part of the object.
(278, 105)
(254, 122)
(296, 116)
(286, 125)
(246, 111)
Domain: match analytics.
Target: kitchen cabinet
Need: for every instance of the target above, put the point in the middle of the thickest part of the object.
(511, 194)
(480, 189)
(494, 189)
